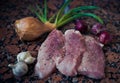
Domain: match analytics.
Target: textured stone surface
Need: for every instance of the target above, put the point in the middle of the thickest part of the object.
(10, 45)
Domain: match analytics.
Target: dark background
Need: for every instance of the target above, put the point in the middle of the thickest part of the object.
(10, 45)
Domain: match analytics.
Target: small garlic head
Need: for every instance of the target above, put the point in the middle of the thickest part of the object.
(19, 69)
(26, 57)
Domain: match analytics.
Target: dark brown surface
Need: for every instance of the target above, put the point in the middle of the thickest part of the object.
(10, 45)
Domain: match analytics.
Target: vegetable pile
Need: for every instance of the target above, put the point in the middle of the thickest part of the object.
(30, 28)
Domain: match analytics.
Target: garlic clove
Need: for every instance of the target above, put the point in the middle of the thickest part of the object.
(29, 60)
(23, 55)
(19, 69)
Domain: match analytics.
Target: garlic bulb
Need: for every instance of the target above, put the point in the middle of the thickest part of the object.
(19, 69)
(26, 57)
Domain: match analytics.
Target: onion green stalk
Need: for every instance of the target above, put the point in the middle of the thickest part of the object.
(62, 18)
(67, 8)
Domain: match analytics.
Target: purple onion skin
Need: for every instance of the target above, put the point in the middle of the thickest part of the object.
(105, 37)
(81, 26)
(97, 28)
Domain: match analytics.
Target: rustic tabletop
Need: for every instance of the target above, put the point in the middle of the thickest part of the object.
(10, 45)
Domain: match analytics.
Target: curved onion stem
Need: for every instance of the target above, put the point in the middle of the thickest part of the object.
(78, 16)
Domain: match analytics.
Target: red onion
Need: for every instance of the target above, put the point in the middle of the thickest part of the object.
(97, 28)
(81, 26)
(104, 37)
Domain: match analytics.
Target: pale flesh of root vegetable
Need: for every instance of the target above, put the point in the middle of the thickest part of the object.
(30, 28)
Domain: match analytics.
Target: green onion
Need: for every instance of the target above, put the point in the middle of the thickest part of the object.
(57, 20)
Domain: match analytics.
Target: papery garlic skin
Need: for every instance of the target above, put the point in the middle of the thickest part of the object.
(29, 60)
(23, 55)
(19, 69)
(26, 57)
